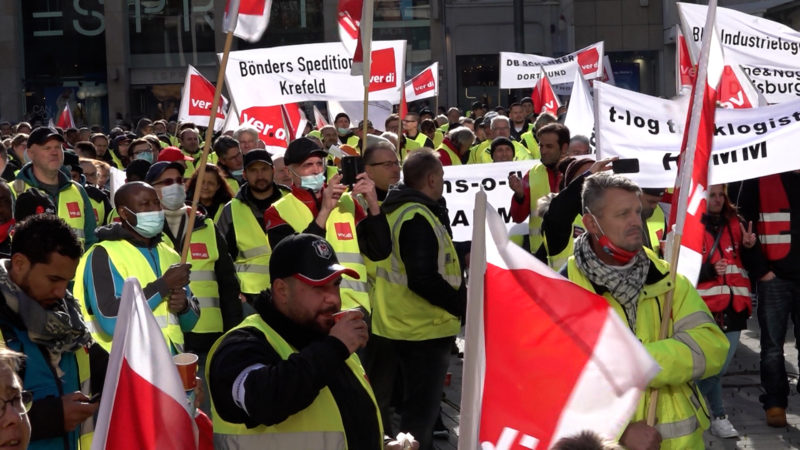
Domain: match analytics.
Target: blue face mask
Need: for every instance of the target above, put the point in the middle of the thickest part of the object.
(343, 131)
(313, 182)
(148, 224)
(237, 173)
(147, 156)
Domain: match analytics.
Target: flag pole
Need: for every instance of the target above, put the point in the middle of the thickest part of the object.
(687, 163)
(200, 167)
(472, 375)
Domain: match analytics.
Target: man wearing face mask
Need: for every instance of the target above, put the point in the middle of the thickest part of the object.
(610, 260)
(331, 212)
(44, 172)
(213, 279)
(242, 222)
(133, 248)
(141, 149)
(346, 136)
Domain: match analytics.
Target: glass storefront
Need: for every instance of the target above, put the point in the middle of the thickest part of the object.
(65, 60)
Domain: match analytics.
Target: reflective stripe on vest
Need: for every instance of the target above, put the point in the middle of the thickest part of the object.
(557, 261)
(732, 288)
(340, 231)
(129, 262)
(400, 313)
(774, 225)
(318, 426)
(539, 185)
(252, 261)
(70, 206)
(203, 255)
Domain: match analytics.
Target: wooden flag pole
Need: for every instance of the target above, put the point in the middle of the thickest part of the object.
(364, 126)
(685, 179)
(200, 166)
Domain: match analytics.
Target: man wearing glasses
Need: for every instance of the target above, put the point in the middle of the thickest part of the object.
(383, 167)
(15, 428)
(40, 318)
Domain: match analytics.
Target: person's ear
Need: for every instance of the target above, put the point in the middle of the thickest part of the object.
(20, 263)
(590, 224)
(280, 291)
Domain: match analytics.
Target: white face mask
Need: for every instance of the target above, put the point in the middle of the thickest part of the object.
(173, 196)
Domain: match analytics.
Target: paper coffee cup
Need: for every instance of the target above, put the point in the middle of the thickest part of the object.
(187, 368)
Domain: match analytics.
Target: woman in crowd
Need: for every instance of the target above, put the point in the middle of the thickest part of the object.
(214, 191)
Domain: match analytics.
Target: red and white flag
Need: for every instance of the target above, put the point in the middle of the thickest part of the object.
(363, 52)
(689, 198)
(65, 119)
(197, 99)
(144, 405)
(736, 91)
(271, 126)
(319, 118)
(685, 72)
(294, 119)
(348, 17)
(543, 96)
(531, 330)
(424, 85)
(248, 19)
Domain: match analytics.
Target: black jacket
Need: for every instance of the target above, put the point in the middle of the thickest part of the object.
(419, 251)
(285, 387)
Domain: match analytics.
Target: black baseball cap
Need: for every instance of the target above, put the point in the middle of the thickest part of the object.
(257, 156)
(32, 202)
(158, 168)
(308, 258)
(657, 192)
(301, 149)
(41, 135)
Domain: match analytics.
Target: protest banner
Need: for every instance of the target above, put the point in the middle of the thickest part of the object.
(462, 182)
(767, 51)
(521, 70)
(196, 100)
(312, 72)
(423, 85)
(748, 143)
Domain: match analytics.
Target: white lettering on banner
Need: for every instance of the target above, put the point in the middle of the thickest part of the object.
(312, 72)
(462, 182)
(507, 438)
(747, 143)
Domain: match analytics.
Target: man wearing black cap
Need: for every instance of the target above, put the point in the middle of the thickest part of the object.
(342, 124)
(44, 172)
(287, 376)
(329, 211)
(501, 149)
(242, 222)
(478, 110)
(214, 282)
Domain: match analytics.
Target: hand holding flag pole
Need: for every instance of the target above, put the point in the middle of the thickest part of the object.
(693, 174)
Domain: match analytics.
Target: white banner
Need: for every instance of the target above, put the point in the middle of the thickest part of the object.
(462, 182)
(312, 72)
(768, 52)
(377, 112)
(520, 70)
(748, 143)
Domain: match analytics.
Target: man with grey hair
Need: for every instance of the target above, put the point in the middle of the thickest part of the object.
(610, 260)
(455, 147)
(500, 126)
(247, 137)
(579, 145)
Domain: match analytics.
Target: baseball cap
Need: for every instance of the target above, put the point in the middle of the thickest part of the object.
(657, 192)
(41, 135)
(256, 156)
(158, 168)
(172, 153)
(341, 114)
(301, 149)
(308, 258)
(32, 202)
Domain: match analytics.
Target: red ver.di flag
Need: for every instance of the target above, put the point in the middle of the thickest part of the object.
(269, 121)
(543, 96)
(144, 405)
(65, 119)
(197, 98)
(348, 18)
(424, 84)
(247, 18)
(544, 358)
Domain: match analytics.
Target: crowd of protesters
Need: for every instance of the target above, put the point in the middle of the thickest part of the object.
(283, 242)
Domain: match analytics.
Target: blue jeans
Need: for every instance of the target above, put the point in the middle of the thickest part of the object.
(711, 387)
(778, 300)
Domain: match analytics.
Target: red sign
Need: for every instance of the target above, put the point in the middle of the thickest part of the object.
(589, 60)
(199, 250)
(382, 74)
(731, 94)
(688, 72)
(343, 231)
(74, 209)
(268, 120)
(201, 97)
(423, 82)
